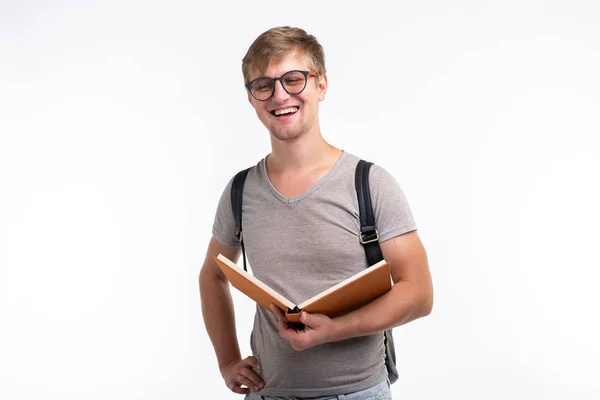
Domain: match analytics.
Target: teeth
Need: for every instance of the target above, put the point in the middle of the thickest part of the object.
(286, 111)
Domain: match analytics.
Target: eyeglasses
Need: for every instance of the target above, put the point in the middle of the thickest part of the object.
(293, 82)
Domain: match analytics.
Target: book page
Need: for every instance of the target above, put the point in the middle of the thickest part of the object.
(251, 286)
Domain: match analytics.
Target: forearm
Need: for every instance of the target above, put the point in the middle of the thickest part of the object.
(219, 318)
(406, 302)
(411, 296)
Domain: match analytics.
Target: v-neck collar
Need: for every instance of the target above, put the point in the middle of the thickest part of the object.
(309, 191)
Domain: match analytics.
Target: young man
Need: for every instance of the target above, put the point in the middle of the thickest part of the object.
(301, 232)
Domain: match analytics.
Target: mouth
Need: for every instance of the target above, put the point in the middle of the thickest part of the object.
(285, 112)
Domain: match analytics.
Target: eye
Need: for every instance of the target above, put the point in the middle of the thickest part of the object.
(294, 79)
(262, 85)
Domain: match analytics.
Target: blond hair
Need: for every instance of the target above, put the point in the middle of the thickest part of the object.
(274, 44)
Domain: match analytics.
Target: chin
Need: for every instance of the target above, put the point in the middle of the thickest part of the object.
(289, 134)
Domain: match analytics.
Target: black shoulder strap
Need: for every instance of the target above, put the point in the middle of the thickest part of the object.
(237, 193)
(369, 236)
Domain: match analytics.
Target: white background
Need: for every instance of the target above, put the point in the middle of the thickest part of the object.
(121, 122)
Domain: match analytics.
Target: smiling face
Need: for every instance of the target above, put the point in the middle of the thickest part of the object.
(289, 116)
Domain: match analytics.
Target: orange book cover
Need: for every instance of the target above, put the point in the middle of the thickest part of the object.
(340, 299)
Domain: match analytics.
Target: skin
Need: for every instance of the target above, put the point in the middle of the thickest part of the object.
(306, 120)
(219, 318)
(299, 158)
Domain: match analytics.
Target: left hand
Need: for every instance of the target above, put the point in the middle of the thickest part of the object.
(318, 329)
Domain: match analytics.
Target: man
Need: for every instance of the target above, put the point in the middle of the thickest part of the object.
(301, 224)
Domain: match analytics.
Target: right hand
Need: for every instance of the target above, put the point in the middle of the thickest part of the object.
(241, 372)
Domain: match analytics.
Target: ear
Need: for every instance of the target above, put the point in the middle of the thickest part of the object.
(322, 87)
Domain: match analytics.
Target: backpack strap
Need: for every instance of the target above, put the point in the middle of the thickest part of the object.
(368, 236)
(237, 192)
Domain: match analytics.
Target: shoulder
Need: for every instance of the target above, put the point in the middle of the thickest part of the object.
(377, 173)
(251, 173)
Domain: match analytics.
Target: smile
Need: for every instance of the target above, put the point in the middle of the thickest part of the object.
(285, 111)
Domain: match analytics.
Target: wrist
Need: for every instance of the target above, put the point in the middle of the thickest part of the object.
(344, 328)
(230, 361)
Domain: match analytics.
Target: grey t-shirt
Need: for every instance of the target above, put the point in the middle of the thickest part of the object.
(300, 247)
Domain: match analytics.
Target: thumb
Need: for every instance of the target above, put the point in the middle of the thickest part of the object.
(305, 318)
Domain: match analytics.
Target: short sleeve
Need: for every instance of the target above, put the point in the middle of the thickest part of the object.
(393, 215)
(224, 223)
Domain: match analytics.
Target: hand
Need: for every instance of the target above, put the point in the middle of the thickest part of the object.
(318, 329)
(241, 372)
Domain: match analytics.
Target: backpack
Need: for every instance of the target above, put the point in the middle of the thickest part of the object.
(369, 238)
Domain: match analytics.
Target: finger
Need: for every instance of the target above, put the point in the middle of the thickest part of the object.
(315, 320)
(305, 318)
(278, 313)
(252, 371)
(248, 382)
(251, 379)
(309, 320)
(286, 331)
(236, 388)
(251, 361)
(283, 326)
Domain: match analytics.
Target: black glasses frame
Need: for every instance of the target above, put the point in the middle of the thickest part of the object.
(280, 79)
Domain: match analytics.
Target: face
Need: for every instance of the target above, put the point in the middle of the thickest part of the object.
(304, 106)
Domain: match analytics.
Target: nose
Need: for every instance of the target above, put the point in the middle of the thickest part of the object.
(279, 94)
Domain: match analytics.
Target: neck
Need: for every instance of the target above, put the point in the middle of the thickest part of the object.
(303, 152)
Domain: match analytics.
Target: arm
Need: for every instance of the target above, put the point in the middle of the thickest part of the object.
(219, 318)
(411, 297)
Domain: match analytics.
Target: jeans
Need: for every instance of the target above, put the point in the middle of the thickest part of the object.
(380, 391)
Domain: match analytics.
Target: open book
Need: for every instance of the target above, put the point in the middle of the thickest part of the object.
(340, 299)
